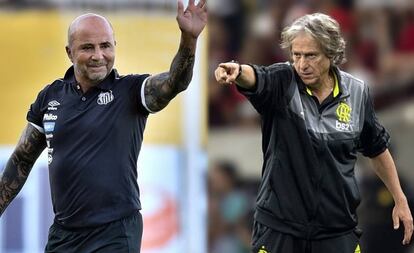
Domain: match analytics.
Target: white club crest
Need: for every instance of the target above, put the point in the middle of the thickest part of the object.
(105, 98)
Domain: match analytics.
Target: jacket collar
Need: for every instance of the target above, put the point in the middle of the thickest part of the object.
(340, 89)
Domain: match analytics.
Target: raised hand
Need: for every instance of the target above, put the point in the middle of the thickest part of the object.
(193, 19)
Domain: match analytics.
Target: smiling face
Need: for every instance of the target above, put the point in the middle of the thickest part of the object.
(310, 62)
(91, 49)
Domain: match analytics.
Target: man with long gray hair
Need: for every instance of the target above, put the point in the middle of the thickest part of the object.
(315, 118)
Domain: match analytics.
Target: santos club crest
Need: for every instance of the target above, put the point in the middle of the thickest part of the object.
(105, 98)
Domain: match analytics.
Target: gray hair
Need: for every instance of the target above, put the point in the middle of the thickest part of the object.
(324, 29)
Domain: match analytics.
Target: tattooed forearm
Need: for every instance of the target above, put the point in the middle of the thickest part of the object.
(18, 167)
(161, 88)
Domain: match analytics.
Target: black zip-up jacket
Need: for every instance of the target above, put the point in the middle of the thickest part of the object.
(308, 187)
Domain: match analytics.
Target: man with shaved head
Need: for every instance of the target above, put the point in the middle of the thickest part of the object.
(91, 122)
(85, 29)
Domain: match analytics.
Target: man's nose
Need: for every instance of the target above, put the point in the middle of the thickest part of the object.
(303, 63)
(98, 54)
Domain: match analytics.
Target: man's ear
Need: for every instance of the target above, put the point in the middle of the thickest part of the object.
(69, 53)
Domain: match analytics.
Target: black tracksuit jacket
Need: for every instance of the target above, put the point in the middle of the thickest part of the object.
(308, 187)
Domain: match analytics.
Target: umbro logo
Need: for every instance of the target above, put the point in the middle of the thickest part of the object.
(105, 98)
(52, 105)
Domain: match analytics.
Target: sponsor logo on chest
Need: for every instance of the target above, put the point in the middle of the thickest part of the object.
(49, 116)
(49, 126)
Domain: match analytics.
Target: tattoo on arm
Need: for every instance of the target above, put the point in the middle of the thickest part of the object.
(161, 88)
(30, 146)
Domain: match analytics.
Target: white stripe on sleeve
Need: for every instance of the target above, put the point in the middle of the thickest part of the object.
(38, 127)
(143, 95)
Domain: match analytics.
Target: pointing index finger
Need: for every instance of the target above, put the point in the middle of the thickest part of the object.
(226, 65)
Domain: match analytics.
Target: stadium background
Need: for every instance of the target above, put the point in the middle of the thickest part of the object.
(380, 50)
(172, 162)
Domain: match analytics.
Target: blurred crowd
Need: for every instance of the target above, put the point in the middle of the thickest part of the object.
(230, 209)
(231, 201)
(379, 35)
(375, 214)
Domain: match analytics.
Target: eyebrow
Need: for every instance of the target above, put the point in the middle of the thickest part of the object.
(105, 43)
(85, 44)
(305, 53)
(92, 44)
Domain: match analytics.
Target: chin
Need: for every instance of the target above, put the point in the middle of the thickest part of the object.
(97, 77)
(310, 83)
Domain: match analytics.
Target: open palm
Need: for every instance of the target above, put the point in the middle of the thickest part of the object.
(193, 19)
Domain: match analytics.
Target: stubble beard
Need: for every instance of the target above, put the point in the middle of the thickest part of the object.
(97, 77)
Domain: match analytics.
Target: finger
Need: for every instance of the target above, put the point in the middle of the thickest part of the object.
(221, 75)
(223, 65)
(201, 3)
(408, 231)
(204, 8)
(180, 8)
(396, 220)
(231, 78)
(217, 74)
(190, 2)
(226, 66)
(224, 78)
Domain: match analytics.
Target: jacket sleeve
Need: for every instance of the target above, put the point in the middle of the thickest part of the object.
(37, 109)
(374, 137)
(136, 91)
(271, 84)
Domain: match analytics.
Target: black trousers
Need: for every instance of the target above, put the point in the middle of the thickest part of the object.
(122, 236)
(266, 240)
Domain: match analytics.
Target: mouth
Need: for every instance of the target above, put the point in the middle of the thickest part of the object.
(96, 67)
(306, 75)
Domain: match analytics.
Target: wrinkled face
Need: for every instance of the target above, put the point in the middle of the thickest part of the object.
(309, 61)
(91, 49)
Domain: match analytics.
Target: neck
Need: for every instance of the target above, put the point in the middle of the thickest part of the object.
(84, 83)
(325, 87)
(326, 84)
(85, 86)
